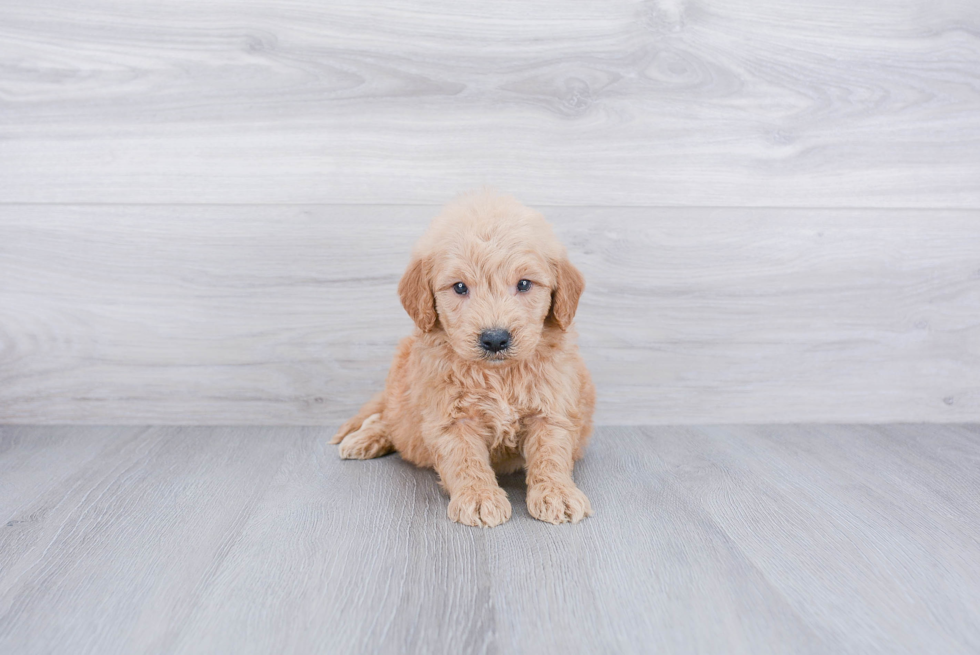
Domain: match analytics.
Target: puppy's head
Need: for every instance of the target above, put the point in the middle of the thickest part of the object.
(493, 276)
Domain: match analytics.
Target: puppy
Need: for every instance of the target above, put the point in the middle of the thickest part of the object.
(491, 381)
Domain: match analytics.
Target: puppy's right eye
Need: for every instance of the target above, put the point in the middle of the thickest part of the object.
(460, 288)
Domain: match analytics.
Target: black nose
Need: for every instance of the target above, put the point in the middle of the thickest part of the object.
(495, 340)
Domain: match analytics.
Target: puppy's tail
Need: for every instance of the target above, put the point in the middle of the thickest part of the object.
(373, 406)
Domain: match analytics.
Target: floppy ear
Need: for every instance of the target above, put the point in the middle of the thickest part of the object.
(415, 291)
(568, 288)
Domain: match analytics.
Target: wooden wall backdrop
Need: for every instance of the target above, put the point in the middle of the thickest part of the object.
(205, 207)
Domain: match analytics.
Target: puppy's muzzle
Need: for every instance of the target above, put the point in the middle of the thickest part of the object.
(494, 340)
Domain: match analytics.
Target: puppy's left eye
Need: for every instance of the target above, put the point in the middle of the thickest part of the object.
(524, 285)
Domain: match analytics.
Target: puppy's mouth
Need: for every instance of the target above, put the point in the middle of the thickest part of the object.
(495, 358)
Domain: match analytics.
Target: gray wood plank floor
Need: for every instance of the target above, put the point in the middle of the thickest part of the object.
(719, 539)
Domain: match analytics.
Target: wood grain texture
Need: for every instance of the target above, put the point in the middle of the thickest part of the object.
(666, 102)
(749, 539)
(289, 315)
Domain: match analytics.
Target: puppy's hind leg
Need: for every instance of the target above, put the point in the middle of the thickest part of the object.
(368, 442)
(364, 435)
(353, 424)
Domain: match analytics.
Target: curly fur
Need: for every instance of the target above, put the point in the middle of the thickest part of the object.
(448, 404)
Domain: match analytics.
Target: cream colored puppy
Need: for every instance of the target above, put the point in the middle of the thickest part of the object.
(491, 381)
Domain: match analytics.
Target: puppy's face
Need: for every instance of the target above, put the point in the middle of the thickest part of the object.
(494, 278)
(492, 300)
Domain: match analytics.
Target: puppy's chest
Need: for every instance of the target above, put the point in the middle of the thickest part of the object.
(503, 416)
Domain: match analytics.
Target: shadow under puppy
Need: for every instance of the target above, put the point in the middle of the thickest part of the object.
(491, 381)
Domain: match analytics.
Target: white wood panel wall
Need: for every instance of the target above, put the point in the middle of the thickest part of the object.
(843, 103)
(205, 207)
(288, 314)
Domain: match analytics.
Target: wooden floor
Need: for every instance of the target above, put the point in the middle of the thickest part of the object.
(788, 539)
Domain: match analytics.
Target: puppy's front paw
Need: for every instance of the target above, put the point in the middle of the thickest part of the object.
(479, 507)
(557, 503)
